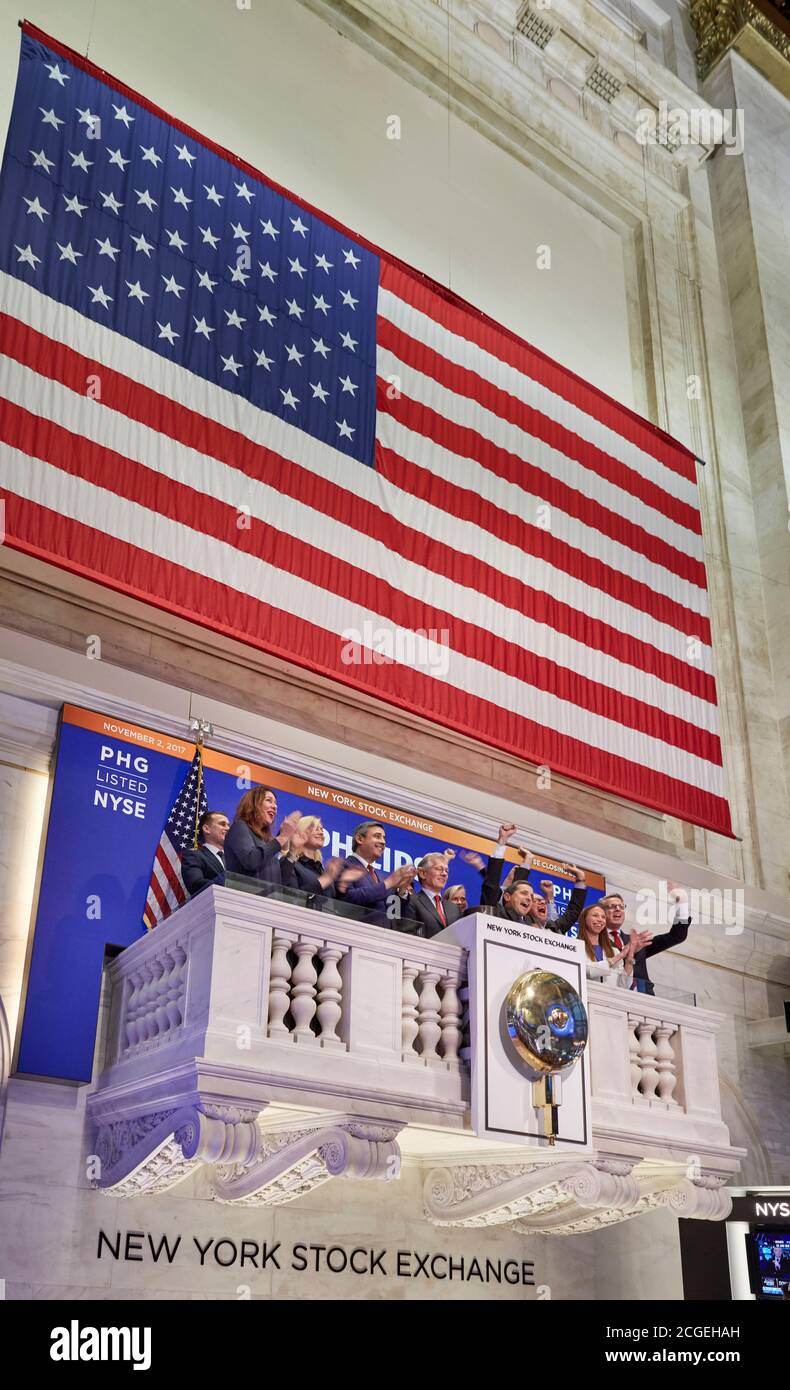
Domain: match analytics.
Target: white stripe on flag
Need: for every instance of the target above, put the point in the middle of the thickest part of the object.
(465, 353)
(49, 487)
(215, 479)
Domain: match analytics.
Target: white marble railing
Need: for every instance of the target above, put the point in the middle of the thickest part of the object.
(328, 1006)
(347, 1034)
(655, 1069)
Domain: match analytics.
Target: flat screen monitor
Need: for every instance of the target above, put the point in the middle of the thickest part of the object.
(768, 1254)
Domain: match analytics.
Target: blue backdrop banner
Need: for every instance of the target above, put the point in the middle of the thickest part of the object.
(114, 784)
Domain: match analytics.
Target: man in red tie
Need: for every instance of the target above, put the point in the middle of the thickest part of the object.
(385, 897)
(427, 906)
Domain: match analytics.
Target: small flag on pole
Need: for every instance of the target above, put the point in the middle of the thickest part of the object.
(166, 890)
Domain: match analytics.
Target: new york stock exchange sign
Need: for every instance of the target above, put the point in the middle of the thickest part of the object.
(248, 1255)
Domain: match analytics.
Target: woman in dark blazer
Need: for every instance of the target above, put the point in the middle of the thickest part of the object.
(303, 867)
(250, 847)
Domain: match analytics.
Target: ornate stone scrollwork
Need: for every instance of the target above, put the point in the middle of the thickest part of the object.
(702, 1199)
(291, 1163)
(566, 1197)
(494, 1194)
(151, 1153)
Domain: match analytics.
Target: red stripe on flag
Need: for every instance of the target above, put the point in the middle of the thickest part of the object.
(31, 528)
(155, 887)
(468, 384)
(176, 886)
(469, 506)
(468, 444)
(196, 432)
(444, 308)
(192, 508)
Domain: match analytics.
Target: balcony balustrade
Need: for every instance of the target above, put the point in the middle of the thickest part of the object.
(284, 1045)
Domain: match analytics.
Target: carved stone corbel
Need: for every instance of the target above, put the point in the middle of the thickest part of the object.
(288, 1164)
(151, 1153)
(566, 1198)
(495, 1194)
(701, 1199)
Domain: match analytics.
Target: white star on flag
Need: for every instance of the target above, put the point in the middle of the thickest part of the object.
(26, 254)
(136, 291)
(36, 208)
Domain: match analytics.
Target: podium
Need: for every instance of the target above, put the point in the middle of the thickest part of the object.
(499, 952)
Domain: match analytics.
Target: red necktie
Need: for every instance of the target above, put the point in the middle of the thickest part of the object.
(439, 908)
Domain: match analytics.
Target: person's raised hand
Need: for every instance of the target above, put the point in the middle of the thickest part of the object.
(476, 860)
(346, 876)
(505, 832)
(297, 840)
(288, 826)
(547, 889)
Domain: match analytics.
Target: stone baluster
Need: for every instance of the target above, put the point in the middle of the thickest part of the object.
(429, 1027)
(647, 1059)
(279, 985)
(303, 991)
(130, 1024)
(330, 994)
(665, 1062)
(161, 967)
(450, 1018)
(633, 1050)
(410, 1001)
(466, 1040)
(176, 985)
(144, 1025)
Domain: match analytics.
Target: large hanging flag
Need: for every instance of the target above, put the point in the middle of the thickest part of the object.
(222, 402)
(166, 890)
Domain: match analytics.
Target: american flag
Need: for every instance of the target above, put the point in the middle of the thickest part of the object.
(166, 890)
(225, 404)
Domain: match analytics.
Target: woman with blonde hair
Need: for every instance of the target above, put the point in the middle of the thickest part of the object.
(250, 847)
(600, 948)
(303, 867)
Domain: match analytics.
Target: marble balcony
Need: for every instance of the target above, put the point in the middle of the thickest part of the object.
(276, 1047)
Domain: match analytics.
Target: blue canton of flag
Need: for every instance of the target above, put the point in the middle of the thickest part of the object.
(111, 209)
(166, 890)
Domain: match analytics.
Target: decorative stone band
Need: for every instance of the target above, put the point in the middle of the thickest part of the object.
(565, 1197)
(151, 1153)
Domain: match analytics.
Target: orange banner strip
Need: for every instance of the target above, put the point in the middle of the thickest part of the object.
(314, 794)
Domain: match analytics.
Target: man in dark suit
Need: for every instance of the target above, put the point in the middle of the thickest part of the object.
(614, 907)
(432, 911)
(385, 897)
(206, 864)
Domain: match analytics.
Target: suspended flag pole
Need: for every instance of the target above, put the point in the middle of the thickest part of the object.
(166, 889)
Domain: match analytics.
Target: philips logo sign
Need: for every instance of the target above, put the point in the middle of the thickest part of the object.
(772, 1208)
